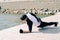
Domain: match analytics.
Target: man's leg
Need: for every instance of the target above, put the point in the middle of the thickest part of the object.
(55, 23)
(29, 23)
(43, 24)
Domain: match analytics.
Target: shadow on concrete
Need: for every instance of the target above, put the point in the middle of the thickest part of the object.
(51, 30)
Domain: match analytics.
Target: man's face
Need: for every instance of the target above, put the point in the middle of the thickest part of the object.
(23, 21)
(23, 18)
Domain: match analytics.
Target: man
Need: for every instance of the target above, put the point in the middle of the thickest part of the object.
(32, 19)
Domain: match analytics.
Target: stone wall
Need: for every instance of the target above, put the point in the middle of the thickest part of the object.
(51, 4)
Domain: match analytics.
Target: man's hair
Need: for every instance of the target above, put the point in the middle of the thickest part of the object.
(23, 17)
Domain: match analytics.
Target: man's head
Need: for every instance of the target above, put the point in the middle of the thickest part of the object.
(24, 17)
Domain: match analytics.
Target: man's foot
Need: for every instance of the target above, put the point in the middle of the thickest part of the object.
(56, 24)
(21, 31)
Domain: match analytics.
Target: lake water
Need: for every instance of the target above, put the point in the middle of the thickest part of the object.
(10, 20)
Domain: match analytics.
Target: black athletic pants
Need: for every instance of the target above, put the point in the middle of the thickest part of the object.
(29, 23)
(43, 24)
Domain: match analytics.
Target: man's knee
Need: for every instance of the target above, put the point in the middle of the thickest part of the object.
(30, 31)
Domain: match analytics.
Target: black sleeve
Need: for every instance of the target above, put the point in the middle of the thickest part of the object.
(29, 23)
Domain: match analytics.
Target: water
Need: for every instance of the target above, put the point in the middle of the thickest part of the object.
(9, 20)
